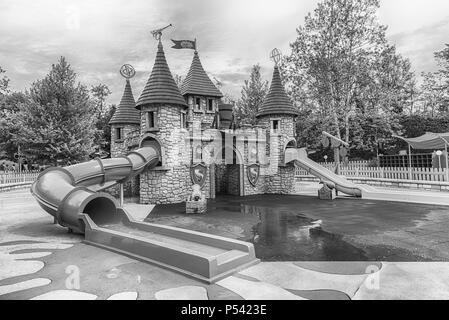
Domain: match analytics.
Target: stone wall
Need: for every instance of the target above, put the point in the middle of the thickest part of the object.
(278, 179)
(170, 183)
(286, 133)
(281, 183)
(118, 147)
(202, 116)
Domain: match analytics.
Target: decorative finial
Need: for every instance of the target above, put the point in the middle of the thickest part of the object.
(127, 71)
(276, 56)
(157, 34)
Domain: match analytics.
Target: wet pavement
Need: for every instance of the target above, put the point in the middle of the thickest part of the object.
(298, 228)
(40, 260)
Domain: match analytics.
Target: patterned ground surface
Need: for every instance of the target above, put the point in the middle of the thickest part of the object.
(39, 260)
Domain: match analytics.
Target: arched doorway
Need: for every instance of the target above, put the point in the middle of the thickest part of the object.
(229, 174)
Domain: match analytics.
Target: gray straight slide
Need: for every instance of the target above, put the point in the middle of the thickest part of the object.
(334, 181)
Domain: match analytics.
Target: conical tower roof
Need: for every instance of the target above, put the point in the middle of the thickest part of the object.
(161, 87)
(197, 81)
(126, 112)
(276, 101)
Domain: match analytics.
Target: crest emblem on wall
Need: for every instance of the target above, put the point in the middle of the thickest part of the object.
(198, 173)
(253, 172)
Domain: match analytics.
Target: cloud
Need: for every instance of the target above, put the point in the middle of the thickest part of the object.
(97, 37)
(419, 45)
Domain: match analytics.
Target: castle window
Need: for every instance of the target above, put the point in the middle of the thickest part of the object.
(151, 121)
(210, 105)
(198, 104)
(118, 134)
(275, 125)
(183, 120)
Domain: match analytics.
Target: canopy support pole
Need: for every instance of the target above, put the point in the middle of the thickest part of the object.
(410, 162)
(447, 163)
(446, 156)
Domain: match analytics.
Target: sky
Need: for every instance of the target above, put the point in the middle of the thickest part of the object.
(98, 37)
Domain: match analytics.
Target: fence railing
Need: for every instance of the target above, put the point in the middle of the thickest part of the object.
(15, 177)
(416, 174)
(363, 163)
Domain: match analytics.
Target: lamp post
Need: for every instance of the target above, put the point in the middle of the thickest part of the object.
(325, 158)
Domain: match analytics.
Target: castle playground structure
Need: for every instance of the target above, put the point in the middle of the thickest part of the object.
(177, 145)
(197, 140)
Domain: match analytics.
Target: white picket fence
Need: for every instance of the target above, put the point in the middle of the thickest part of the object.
(416, 174)
(16, 177)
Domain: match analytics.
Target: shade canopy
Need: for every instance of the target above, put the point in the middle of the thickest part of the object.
(429, 141)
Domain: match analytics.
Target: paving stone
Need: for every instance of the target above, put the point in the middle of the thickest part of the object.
(250, 290)
(344, 268)
(124, 296)
(66, 295)
(289, 276)
(183, 293)
(408, 281)
(25, 285)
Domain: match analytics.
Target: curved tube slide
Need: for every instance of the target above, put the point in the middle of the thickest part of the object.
(66, 193)
(72, 196)
(331, 179)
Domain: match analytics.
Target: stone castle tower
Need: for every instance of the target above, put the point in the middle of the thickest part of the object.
(163, 121)
(278, 116)
(124, 123)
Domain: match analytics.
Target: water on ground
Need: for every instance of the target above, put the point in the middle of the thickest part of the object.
(298, 228)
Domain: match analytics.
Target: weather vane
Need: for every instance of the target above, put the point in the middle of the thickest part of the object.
(157, 34)
(276, 56)
(127, 71)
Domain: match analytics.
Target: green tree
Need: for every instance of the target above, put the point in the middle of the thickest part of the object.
(104, 131)
(435, 86)
(8, 107)
(342, 69)
(253, 93)
(433, 94)
(4, 82)
(57, 122)
(100, 93)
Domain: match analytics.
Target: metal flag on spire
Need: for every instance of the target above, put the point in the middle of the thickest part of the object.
(157, 34)
(184, 44)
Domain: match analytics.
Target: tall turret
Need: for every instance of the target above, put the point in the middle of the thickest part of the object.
(125, 123)
(163, 119)
(277, 116)
(126, 119)
(201, 94)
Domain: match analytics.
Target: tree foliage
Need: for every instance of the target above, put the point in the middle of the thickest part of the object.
(4, 82)
(253, 93)
(344, 74)
(102, 139)
(435, 87)
(57, 120)
(100, 93)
